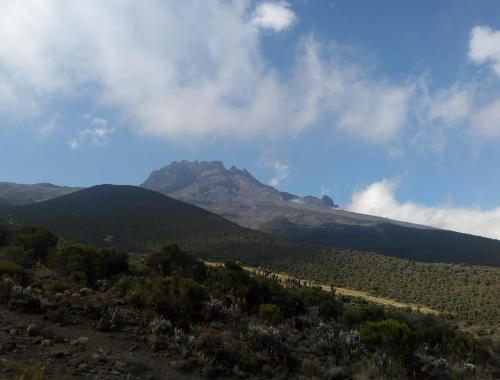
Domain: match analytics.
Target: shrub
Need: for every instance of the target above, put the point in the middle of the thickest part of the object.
(208, 341)
(35, 239)
(394, 336)
(115, 262)
(328, 305)
(85, 263)
(354, 316)
(267, 339)
(310, 368)
(161, 326)
(175, 298)
(269, 313)
(217, 309)
(125, 284)
(171, 260)
(12, 269)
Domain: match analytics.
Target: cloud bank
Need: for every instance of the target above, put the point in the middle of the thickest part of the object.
(186, 71)
(379, 199)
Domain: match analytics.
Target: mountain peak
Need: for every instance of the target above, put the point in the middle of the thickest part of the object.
(210, 185)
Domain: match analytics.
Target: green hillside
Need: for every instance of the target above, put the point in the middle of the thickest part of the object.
(166, 312)
(136, 219)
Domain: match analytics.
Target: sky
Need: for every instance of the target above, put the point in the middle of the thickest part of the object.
(390, 107)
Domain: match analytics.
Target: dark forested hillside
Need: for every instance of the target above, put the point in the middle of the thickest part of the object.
(125, 217)
(427, 245)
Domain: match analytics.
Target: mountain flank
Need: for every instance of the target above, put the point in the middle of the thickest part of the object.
(238, 196)
(126, 217)
(15, 194)
(139, 220)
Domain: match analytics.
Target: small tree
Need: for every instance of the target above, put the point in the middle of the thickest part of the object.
(394, 336)
(269, 313)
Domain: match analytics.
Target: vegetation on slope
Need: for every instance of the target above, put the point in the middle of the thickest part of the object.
(136, 219)
(388, 239)
(223, 321)
(125, 217)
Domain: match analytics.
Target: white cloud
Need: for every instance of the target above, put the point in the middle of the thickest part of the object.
(451, 105)
(98, 121)
(379, 199)
(276, 16)
(486, 121)
(184, 83)
(97, 134)
(280, 169)
(484, 47)
(373, 111)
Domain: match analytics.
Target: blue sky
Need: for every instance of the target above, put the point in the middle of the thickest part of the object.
(390, 107)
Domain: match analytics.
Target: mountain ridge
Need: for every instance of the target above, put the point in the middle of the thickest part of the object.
(239, 197)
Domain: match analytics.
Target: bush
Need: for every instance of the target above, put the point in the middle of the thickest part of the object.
(12, 269)
(115, 262)
(269, 313)
(217, 309)
(86, 264)
(394, 336)
(174, 298)
(171, 260)
(355, 316)
(328, 305)
(268, 340)
(37, 240)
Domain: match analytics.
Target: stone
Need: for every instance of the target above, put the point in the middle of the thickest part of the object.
(83, 367)
(60, 354)
(210, 372)
(84, 292)
(46, 343)
(33, 329)
(181, 365)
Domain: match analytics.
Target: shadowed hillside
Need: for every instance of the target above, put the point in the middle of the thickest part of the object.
(427, 245)
(125, 217)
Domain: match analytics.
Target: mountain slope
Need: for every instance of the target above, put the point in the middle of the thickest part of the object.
(20, 194)
(3, 203)
(238, 196)
(136, 219)
(126, 217)
(427, 245)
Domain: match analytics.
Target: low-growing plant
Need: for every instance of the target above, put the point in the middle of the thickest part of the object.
(269, 313)
(393, 336)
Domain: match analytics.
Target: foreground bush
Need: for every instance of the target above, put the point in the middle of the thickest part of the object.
(86, 264)
(393, 336)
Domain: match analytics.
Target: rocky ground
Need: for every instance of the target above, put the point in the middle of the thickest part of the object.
(67, 345)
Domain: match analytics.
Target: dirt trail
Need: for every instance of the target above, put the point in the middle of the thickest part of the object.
(345, 291)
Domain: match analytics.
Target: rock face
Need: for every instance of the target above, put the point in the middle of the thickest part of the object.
(15, 194)
(232, 193)
(238, 196)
